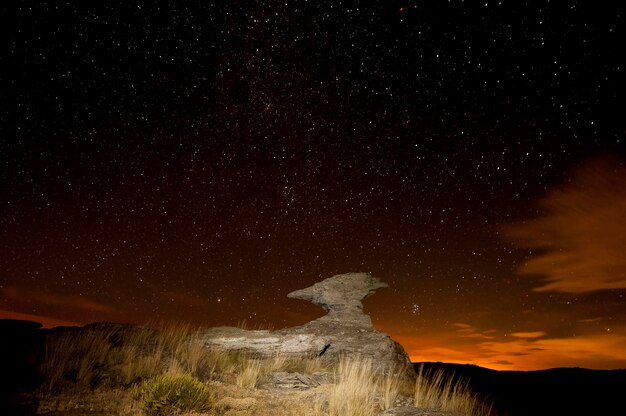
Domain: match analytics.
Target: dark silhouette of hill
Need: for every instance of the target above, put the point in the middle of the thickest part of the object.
(557, 391)
(20, 349)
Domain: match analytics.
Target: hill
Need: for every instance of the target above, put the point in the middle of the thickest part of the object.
(557, 391)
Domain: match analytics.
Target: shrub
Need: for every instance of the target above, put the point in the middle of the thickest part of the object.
(169, 393)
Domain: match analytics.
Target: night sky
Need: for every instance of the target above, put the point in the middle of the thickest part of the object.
(196, 161)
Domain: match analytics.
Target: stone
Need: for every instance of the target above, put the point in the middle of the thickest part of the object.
(345, 331)
(264, 343)
(341, 297)
(296, 380)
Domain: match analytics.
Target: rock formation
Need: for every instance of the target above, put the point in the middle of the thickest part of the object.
(341, 297)
(345, 331)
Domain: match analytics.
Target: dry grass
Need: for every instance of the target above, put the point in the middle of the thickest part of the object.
(253, 327)
(107, 358)
(308, 365)
(118, 355)
(355, 389)
(390, 386)
(68, 357)
(362, 390)
(438, 390)
(249, 374)
(91, 366)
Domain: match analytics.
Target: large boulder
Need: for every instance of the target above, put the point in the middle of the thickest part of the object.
(344, 331)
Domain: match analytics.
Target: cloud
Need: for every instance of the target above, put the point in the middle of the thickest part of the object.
(470, 331)
(590, 320)
(66, 301)
(600, 351)
(582, 233)
(530, 351)
(534, 334)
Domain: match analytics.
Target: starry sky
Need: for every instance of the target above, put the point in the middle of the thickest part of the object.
(195, 161)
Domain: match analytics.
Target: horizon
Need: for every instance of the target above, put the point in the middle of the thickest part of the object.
(196, 162)
(52, 324)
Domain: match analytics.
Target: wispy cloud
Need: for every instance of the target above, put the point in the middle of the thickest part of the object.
(42, 298)
(534, 334)
(582, 233)
(532, 350)
(591, 351)
(470, 331)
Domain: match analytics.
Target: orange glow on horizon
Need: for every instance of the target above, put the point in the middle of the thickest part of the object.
(602, 352)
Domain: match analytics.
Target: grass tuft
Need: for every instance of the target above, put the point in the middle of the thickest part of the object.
(250, 373)
(72, 358)
(390, 386)
(442, 391)
(354, 390)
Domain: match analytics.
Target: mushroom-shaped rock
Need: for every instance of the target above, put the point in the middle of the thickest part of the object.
(341, 296)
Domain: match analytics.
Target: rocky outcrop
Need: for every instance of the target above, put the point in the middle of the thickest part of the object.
(345, 331)
(341, 297)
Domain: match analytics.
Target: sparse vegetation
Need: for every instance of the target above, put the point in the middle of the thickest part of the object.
(249, 373)
(390, 386)
(115, 355)
(360, 390)
(354, 391)
(167, 370)
(438, 390)
(71, 358)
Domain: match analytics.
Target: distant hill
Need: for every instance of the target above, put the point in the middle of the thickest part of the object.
(553, 392)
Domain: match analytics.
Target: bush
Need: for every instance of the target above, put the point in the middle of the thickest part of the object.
(168, 393)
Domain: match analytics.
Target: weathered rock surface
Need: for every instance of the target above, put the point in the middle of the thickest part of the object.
(341, 296)
(345, 330)
(264, 343)
(296, 380)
